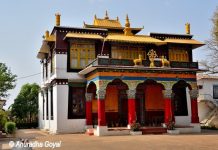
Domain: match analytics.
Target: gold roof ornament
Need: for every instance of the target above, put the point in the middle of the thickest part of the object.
(127, 30)
(58, 19)
(152, 55)
(46, 34)
(127, 24)
(187, 28)
(106, 15)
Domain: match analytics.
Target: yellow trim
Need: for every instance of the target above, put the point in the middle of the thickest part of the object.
(83, 36)
(134, 39)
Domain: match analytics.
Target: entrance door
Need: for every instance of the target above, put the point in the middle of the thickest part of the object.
(140, 107)
(154, 105)
(123, 108)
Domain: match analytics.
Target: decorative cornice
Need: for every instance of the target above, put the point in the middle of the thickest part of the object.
(101, 94)
(59, 82)
(193, 94)
(131, 93)
(89, 97)
(167, 94)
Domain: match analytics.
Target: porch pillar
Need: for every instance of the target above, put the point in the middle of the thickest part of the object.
(88, 109)
(101, 107)
(131, 106)
(169, 111)
(194, 106)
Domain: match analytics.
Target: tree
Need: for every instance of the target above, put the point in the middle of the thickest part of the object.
(7, 80)
(212, 44)
(25, 107)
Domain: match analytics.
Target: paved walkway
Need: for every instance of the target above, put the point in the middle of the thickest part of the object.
(207, 140)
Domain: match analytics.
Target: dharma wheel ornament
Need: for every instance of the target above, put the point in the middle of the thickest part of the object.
(152, 55)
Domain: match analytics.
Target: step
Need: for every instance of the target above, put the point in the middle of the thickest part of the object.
(153, 130)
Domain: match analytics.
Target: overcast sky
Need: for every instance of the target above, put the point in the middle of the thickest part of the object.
(22, 24)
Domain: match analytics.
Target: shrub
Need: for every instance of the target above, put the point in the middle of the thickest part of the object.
(10, 127)
(171, 125)
(135, 126)
(3, 119)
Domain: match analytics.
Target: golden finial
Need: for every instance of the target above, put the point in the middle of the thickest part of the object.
(106, 15)
(152, 55)
(58, 19)
(117, 18)
(127, 21)
(187, 28)
(46, 34)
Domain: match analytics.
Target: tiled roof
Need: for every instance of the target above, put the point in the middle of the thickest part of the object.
(134, 39)
(107, 23)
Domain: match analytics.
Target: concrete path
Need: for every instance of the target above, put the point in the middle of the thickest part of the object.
(207, 140)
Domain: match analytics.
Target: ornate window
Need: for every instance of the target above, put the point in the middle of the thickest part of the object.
(76, 104)
(127, 52)
(215, 91)
(81, 54)
(178, 53)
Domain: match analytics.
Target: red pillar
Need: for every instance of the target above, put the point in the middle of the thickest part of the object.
(88, 108)
(169, 111)
(131, 106)
(88, 112)
(101, 108)
(194, 106)
(101, 112)
(131, 111)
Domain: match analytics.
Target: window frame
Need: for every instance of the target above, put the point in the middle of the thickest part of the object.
(214, 93)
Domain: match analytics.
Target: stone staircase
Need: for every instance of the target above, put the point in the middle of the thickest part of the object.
(153, 130)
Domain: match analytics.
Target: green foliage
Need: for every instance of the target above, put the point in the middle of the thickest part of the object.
(3, 118)
(171, 125)
(135, 126)
(10, 127)
(25, 106)
(7, 80)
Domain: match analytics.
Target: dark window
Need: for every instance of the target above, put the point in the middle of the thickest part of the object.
(200, 86)
(76, 103)
(46, 69)
(51, 91)
(43, 70)
(180, 102)
(215, 91)
(43, 107)
(47, 105)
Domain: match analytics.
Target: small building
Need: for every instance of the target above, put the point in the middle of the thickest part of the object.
(208, 99)
(107, 75)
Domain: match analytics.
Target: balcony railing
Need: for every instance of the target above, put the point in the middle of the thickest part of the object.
(145, 63)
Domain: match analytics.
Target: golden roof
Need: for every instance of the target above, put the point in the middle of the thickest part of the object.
(134, 39)
(106, 23)
(51, 38)
(43, 50)
(83, 36)
(192, 42)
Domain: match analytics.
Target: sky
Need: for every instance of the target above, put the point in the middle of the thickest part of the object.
(23, 23)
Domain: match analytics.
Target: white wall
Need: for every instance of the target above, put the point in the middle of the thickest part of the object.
(61, 69)
(203, 110)
(40, 111)
(65, 125)
(185, 120)
(206, 93)
(207, 86)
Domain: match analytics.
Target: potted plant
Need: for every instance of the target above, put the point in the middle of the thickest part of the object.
(135, 128)
(171, 128)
